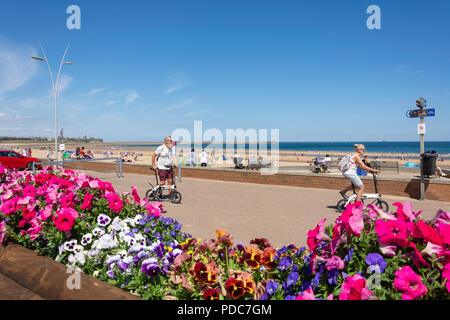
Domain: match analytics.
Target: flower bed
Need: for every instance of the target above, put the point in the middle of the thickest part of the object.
(124, 240)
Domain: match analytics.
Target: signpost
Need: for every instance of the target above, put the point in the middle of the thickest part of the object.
(420, 112)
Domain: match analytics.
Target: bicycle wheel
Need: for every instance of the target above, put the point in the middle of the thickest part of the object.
(175, 197)
(383, 205)
(153, 196)
(341, 205)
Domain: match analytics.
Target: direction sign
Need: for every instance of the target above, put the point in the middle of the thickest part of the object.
(420, 113)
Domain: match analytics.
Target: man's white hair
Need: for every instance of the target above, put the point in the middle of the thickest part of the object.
(167, 138)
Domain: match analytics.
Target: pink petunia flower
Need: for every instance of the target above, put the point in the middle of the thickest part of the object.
(405, 212)
(388, 250)
(316, 235)
(337, 237)
(7, 195)
(334, 262)
(392, 232)
(47, 212)
(307, 295)
(355, 288)
(2, 231)
(409, 283)
(417, 256)
(86, 205)
(441, 217)
(65, 220)
(30, 191)
(9, 206)
(444, 233)
(352, 218)
(52, 195)
(135, 194)
(93, 184)
(105, 186)
(446, 275)
(428, 233)
(381, 214)
(67, 201)
(433, 249)
(154, 211)
(115, 202)
(28, 214)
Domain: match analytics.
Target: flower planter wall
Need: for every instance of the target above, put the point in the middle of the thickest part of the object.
(48, 278)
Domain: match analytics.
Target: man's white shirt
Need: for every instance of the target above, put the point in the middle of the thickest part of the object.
(165, 159)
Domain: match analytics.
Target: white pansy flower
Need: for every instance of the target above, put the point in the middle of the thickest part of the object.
(103, 220)
(122, 254)
(87, 238)
(98, 232)
(78, 249)
(70, 245)
(106, 242)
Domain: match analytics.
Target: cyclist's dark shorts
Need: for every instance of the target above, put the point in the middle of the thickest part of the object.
(165, 174)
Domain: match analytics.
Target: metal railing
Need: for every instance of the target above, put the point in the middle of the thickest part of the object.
(61, 163)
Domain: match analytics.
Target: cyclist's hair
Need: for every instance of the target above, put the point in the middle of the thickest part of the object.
(359, 146)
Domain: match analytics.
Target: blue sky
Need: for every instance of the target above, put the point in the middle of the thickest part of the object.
(144, 68)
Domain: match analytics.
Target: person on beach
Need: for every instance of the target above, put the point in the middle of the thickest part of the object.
(349, 172)
(192, 157)
(203, 158)
(440, 173)
(166, 159)
(49, 155)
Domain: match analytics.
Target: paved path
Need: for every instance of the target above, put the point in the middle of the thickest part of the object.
(281, 214)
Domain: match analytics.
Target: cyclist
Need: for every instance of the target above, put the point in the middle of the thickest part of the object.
(166, 160)
(350, 172)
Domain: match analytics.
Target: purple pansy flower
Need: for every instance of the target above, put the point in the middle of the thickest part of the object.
(376, 262)
(271, 287)
(292, 279)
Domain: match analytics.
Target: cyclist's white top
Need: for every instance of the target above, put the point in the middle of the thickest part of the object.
(352, 166)
(165, 159)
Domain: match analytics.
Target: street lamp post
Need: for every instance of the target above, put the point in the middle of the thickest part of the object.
(55, 89)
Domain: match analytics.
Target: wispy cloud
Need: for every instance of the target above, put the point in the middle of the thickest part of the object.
(130, 95)
(4, 116)
(94, 91)
(64, 83)
(174, 88)
(180, 105)
(408, 69)
(16, 65)
(177, 81)
(109, 103)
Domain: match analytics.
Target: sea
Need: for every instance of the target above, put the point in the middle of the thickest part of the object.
(399, 148)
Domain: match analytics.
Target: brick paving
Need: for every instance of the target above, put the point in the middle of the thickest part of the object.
(282, 214)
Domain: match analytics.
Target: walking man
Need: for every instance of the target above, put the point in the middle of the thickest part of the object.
(162, 160)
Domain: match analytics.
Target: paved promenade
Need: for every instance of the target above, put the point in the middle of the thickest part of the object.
(281, 214)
